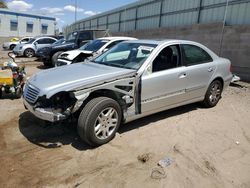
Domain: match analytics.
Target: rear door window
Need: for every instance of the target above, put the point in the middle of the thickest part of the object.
(194, 55)
(41, 41)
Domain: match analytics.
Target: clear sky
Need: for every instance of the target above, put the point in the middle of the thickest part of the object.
(63, 10)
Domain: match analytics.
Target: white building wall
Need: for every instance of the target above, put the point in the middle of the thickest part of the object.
(22, 26)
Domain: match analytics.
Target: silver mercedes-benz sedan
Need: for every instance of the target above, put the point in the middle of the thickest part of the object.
(131, 80)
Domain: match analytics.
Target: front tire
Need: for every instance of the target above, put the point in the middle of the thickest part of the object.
(12, 46)
(99, 121)
(29, 52)
(55, 57)
(213, 94)
(46, 63)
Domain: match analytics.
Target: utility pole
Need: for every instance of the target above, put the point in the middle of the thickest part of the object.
(223, 27)
(75, 10)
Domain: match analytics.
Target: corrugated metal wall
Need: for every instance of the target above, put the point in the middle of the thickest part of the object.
(147, 14)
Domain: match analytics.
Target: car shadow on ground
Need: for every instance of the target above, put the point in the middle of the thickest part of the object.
(49, 135)
(55, 135)
(238, 85)
(8, 96)
(158, 116)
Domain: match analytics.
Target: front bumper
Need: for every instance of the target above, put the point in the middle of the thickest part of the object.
(44, 114)
(5, 47)
(18, 52)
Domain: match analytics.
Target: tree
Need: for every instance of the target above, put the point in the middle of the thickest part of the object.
(3, 4)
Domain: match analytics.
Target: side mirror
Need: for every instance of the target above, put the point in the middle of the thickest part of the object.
(35, 43)
(148, 70)
(106, 49)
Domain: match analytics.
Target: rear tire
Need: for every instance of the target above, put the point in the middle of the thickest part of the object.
(213, 94)
(55, 57)
(99, 121)
(29, 52)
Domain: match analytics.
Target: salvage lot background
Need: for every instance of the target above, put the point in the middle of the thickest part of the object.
(209, 147)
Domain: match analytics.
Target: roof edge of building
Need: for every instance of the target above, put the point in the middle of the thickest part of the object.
(17, 13)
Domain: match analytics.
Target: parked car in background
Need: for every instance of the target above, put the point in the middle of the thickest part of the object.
(91, 49)
(14, 39)
(132, 80)
(39, 52)
(12, 44)
(29, 49)
(73, 41)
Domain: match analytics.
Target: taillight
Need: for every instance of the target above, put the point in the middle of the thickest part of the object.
(231, 68)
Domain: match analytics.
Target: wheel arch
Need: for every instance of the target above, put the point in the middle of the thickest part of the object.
(219, 78)
(29, 48)
(115, 95)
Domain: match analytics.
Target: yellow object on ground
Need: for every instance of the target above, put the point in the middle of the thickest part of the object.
(14, 39)
(6, 77)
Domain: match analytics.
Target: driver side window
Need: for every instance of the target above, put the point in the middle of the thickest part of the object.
(168, 58)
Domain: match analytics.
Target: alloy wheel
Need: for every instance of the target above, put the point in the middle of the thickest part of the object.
(106, 123)
(215, 93)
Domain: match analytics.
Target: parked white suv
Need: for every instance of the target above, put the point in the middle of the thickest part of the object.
(91, 49)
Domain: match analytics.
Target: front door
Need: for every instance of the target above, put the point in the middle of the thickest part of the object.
(165, 85)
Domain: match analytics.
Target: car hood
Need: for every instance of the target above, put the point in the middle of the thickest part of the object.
(64, 45)
(75, 76)
(72, 54)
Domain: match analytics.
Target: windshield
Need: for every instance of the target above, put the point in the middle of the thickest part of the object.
(94, 45)
(61, 41)
(126, 55)
(71, 37)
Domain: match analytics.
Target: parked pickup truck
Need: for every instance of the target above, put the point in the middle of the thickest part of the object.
(73, 41)
(132, 80)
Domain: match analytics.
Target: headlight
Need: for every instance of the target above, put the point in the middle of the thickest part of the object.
(64, 56)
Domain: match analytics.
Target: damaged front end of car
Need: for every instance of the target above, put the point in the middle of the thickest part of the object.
(64, 104)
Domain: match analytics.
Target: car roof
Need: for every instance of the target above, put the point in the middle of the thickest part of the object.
(117, 38)
(161, 41)
(42, 37)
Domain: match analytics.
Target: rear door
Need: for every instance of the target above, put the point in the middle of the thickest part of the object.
(44, 42)
(166, 84)
(40, 43)
(200, 68)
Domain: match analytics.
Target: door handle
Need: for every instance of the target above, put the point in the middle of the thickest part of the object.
(210, 69)
(182, 75)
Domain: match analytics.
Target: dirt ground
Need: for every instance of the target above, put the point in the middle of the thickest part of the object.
(207, 147)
